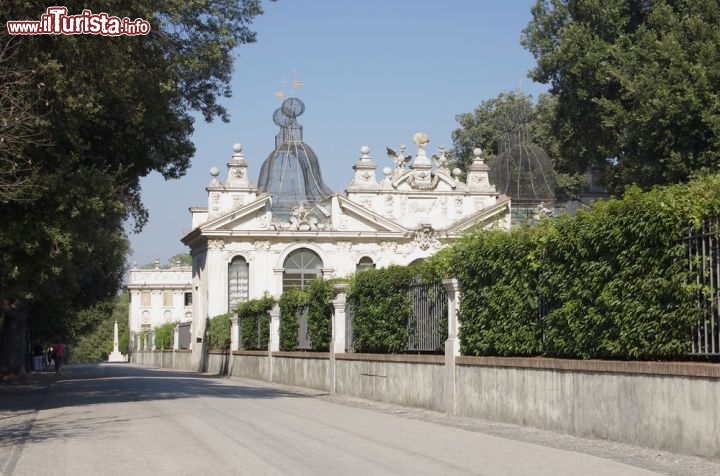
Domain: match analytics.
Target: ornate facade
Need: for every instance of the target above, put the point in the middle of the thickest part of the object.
(291, 228)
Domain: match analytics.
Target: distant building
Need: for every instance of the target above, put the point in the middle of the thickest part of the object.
(157, 296)
(291, 228)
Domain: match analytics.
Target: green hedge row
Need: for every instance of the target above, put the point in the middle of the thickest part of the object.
(217, 332)
(164, 336)
(612, 282)
(254, 323)
(382, 308)
(317, 299)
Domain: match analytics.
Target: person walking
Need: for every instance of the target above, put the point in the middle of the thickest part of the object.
(38, 356)
(58, 356)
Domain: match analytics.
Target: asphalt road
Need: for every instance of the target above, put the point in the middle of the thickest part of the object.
(126, 420)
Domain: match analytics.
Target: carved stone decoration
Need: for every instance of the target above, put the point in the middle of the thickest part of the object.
(442, 201)
(215, 201)
(459, 205)
(216, 244)
(479, 204)
(261, 221)
(403, 205)
(344, 246)
(238, 173)
(237, 202)
(343, 222)
(423, 180)
(389, 246)
(389, 204)
(425, 237)
(261, 245)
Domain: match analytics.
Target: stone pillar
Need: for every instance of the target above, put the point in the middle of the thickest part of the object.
(234, 333)
(116, 356)
(452, 344)
(338, 319)
(216, 283)
(176, 337)
(337, 341)
(274, 342)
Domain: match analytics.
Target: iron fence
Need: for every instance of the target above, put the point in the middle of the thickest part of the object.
(304, 342)
(184, 335)
(427, 328)
(704, 260)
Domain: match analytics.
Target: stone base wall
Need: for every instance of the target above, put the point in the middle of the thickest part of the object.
(672, 406)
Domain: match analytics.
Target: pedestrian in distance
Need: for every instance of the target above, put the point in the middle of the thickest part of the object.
(58, 356)
(38, 356)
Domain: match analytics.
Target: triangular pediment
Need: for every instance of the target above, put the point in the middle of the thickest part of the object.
(241, 218)
(485, 217)
(360, 218)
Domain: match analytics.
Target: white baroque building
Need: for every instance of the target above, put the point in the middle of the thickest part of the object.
(291, 228)
(158, 296)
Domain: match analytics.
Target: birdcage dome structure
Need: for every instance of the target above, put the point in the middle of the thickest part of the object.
(291, 173)
(524, 172)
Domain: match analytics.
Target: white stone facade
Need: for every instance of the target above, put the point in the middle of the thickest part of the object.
(158, 296)
(418, 207)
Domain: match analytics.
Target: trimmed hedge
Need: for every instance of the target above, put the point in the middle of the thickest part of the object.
(291, 302)
(320, 294)
(612, 282)
(164, 336)
(218, 332)
(254, 322)
(382, 309)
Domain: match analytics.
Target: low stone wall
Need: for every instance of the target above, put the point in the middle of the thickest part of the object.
(671, 406)
(218, 362)
(302, 369)
(410, 380)
(250, 364)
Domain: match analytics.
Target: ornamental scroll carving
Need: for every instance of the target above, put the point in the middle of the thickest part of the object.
(425, 238)
(216, 244)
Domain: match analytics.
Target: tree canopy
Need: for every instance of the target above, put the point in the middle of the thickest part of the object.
(487, 126)
(637, 84)
(111, 110)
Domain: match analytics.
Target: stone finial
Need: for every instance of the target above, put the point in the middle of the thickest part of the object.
(421, 139)
(237, 149)
(157, 263)
(365, 150)
(214, 172)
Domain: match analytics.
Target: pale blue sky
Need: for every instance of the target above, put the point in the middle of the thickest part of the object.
(374, 72)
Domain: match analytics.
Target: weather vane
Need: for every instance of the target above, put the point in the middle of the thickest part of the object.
(295, 83)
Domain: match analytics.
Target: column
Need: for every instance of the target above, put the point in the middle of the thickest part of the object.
(452, 344)
(274, 343)
(176, 338)
(337, 342)
(234, 333)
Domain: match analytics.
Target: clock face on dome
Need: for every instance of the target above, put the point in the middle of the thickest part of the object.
(292, 107)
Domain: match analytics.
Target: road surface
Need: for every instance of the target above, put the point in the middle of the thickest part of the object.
(120, 419)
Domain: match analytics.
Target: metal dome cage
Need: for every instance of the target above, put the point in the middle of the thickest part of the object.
(291, 173)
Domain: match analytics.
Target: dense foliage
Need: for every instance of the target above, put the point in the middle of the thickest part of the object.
(320, 294)
(382, 309)
(291, 303)
(637, 84)
(612, 282)
(165, 336)
(110, 111)
(254, 322)
(496, 121)
(92, 334)
(218, 332)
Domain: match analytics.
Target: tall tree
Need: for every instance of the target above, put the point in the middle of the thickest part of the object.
(488, 124)
(637, 82)
(114, 109)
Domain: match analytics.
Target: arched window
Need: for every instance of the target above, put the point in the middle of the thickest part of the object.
(365, 263)
(301, 267)
(237, 282)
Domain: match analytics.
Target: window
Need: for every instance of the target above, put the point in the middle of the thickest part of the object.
(237, 282)
(301, 267)
(365, 263)
(167, 298)
(188, 299)
(145, 298)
